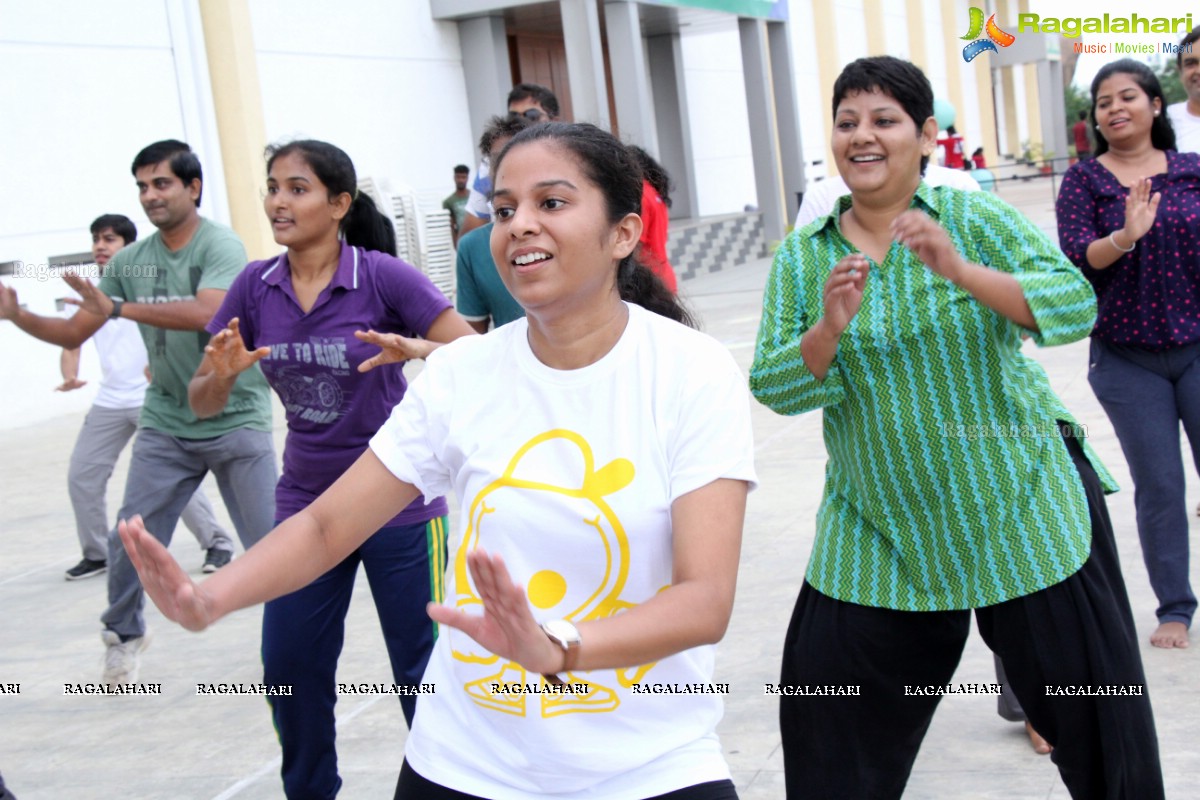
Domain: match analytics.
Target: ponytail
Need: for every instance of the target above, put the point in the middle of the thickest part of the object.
(365, 226)
(638, 284)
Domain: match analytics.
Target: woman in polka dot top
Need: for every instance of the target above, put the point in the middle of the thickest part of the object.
(1130, 220)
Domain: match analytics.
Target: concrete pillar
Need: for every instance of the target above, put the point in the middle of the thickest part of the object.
(585, 62)
(630, 78)
(237, 100)
(484, 47)
(764, 139)
(785, 92)
(670, 120)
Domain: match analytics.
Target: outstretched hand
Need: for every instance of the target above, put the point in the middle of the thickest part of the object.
(228, 355)
(930, 242)
(393, 348)
(91, 299)
(1141, 207)
(10, 306)
(507, 627)
(177, 596)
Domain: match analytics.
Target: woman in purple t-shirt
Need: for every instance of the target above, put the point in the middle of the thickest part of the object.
(1136, 238)
(309, 317)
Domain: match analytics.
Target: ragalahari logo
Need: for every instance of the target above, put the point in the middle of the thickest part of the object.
(995, 36)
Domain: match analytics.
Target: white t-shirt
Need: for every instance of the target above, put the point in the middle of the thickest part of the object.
(569, 475)
(1187, 128)
(820, 197)
(123, 361)
(477, 202)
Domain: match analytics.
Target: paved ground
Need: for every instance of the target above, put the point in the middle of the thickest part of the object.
(180, 745)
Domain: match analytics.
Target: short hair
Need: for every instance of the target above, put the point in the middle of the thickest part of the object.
(1185, 45)
(538, 94)
(900, 80)
(121, 225)
(504, 127)
(1082, 114)
(179, 158)
(461, 168)
(1162, 135)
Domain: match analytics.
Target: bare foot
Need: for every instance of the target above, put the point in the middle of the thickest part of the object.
(1170, 635)
(1040, 745)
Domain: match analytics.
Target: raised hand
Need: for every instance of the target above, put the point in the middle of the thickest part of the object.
(228, 355)
(9, 305)
(844, 291)
(393, 348)
(177, 596)
(507, 627)
(1141, 207)
(930, 242)
(91, 299)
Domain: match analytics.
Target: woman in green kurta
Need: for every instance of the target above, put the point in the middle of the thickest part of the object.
(956, 478)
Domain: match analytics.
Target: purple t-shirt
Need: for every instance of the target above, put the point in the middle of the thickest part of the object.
(332, 409)
(1149, 298)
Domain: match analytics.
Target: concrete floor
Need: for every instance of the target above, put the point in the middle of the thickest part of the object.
(180, 745)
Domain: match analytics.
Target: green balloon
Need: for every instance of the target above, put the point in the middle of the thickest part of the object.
(943, 112)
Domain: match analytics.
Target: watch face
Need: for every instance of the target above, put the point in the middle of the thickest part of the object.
(562, 631)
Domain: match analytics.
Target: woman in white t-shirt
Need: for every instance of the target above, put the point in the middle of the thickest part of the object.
(601, 455)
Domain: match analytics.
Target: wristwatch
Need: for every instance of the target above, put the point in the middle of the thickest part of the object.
(116, 309)
(566, 636)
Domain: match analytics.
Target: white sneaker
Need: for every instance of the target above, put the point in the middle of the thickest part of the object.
(121, 658)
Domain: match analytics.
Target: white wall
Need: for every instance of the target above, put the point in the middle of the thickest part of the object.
(384, 83)
(718, 120)
(84, 88)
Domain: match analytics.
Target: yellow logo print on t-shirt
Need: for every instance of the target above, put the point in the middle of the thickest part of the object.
(571, 597)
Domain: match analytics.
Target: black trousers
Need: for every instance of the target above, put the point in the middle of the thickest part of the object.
(412, 786)
(1078, 632)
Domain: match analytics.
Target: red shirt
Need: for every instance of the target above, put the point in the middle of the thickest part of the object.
(1083, 145)
(654, 236)
(954, 151)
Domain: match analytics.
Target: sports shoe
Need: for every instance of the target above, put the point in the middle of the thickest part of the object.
(121, 658)
(86, 569)
(214, 559)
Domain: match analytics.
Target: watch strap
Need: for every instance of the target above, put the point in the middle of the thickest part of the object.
(116, 309)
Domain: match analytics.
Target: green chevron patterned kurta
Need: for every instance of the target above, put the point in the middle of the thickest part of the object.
(948, 485)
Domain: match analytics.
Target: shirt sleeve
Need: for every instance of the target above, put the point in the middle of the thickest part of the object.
(410, 443)
(222, 260)
(236, 304)
(1076, 212)
(779, 378)
(713, 438)
(469, 299)
(409, 294)
(1060, 297)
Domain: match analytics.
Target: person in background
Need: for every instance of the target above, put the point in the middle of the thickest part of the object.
(481, 297)
(601, 524)
(656, 202)
(1185, 115)
(956, 479)
(952, 146)
(535, 103)
(313, 318)
(1083, 137)
(977, 159)
(111, 423)
(456, 203)
(1127, 219)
